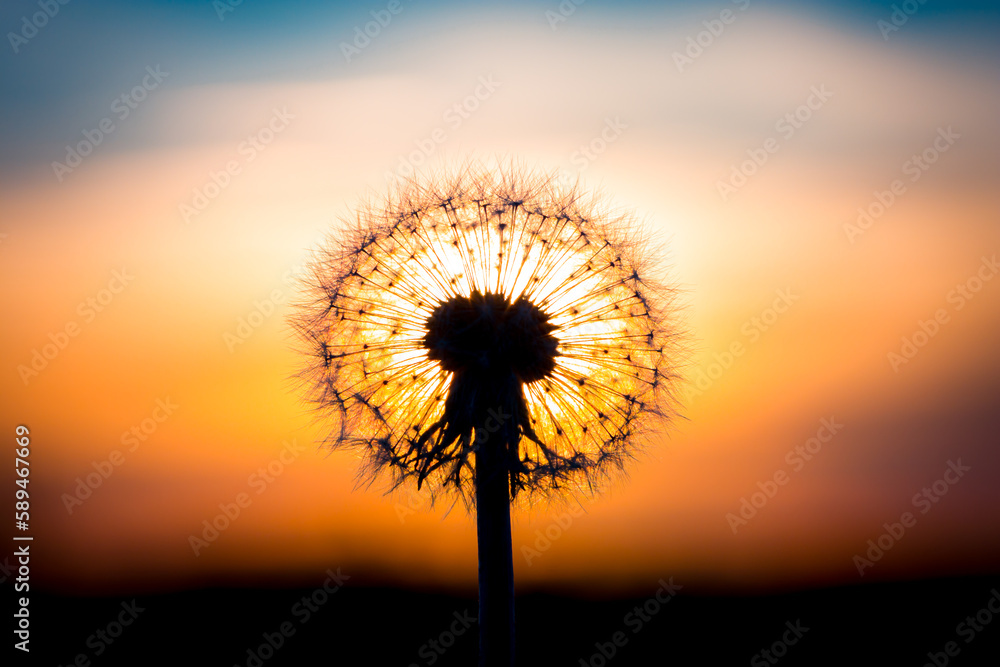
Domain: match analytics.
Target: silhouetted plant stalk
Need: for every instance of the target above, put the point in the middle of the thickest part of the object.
(495, 337)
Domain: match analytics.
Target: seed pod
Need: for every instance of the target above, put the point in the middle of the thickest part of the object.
(488, 302)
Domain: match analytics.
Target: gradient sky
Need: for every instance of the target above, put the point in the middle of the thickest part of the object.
(330, 130)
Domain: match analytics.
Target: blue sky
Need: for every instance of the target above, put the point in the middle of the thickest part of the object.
(64, 76)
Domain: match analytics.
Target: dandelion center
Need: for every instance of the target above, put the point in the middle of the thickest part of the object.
(489, 336)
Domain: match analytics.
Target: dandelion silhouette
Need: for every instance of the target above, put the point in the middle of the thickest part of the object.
(493, 337)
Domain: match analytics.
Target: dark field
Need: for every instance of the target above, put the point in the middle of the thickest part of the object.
(874, 624)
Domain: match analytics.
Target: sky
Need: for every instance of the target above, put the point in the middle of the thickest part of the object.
(820, 179)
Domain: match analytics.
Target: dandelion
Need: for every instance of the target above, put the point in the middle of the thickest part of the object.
(493, 337)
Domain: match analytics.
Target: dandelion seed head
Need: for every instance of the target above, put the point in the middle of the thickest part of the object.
(486, 301)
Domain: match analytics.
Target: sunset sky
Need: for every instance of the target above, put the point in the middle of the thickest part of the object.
(823, 187)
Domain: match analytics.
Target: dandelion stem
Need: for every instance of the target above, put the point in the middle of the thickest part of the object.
(496, 564)
(489, 335)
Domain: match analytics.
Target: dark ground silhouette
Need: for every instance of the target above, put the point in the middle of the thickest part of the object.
(872, 624)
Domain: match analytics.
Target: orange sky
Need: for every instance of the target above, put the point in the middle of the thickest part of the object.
(163, 336)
